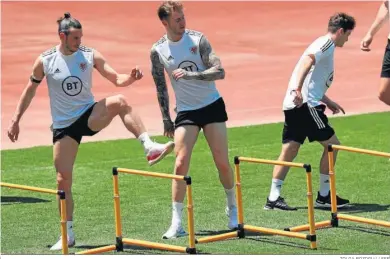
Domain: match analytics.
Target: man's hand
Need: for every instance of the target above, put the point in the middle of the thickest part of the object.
(136, 73)
(335, 108)
(179, 73)
(366, 42)
(298, 99)
(13, 131)
(169, 129)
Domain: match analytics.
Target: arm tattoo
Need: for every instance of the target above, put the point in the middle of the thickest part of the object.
(214, 69)
(161, 85)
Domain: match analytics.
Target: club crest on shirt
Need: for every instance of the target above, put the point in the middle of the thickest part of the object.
(194, 50)
(83, 66)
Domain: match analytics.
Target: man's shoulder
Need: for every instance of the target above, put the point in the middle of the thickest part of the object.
(49, 52)
(160, 41)
(323, 43)
(84, 48)
(195, 33)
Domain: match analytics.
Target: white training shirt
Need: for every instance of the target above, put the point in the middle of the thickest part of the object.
(320, 77)
(190, 94)
(69, 79)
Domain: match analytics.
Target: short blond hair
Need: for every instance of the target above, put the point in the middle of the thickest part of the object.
(167, 7)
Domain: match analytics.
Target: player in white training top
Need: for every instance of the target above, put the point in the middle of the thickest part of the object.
(68, 69)
(381, 17)
(192, 67)
(304, 109)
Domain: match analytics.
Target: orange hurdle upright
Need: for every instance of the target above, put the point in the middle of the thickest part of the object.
(335, 216)
(154, 245)
(61, 195)
(240, 211)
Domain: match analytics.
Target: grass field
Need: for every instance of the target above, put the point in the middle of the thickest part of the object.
(30, 221)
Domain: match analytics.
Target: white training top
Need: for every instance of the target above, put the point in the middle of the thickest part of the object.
(190, 94)
(320, 77)
(69, 79)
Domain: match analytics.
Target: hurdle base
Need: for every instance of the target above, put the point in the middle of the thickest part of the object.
(217, 237)
(318, 225)
(363, 220)
(97, 250)
(141, 243)
(270, 231)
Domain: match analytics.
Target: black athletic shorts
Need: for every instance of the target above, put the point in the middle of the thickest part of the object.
(386, 62)
(305, 121)
(77, 130)
(212, 113)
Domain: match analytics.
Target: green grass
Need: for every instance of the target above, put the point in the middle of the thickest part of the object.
(30, 221)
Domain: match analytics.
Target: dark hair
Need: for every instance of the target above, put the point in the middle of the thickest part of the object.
(341, 20)
(67, 22)
(166, 8)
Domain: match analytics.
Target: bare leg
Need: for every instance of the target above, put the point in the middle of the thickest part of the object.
(288, 154)
(216, 136)
(185, 139)
(384, 90)
(64, 152)
(323, 199)
(105, 111)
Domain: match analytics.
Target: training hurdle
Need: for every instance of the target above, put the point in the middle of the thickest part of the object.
(242, 227)
(335, 216)
(61, 194)
(118, 225)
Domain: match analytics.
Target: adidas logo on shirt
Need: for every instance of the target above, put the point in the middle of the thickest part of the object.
(57, 71)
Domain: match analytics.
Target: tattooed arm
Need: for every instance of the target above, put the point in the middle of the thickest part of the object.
(214, 69)
(162, 92)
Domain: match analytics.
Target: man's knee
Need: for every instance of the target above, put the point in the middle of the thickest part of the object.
(64, 181)
(120, 103)
(385, 98)
(289, 151)
(182, 164)
(223, 166)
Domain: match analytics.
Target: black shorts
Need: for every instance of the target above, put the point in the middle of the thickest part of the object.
(305, 121)
(212, 113)
(386, 62)
(77, 130)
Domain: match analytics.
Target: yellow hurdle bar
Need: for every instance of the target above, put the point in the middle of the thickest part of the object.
(240, 207)
(190, 217)
(364, 220)
(317, 225)
(275, 232)
(97, 250)
(361, 151)
(217, 237)
(152, 174)
(332, 178)
(154, 245)
(28, 188)
(240, 211)
(270, 162)
(61, 194)
(118, 224)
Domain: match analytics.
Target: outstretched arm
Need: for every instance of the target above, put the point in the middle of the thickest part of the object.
(381, 17)
(26, 98)
(214, 70)
(119, 80)
(333, 106)
(162, 92)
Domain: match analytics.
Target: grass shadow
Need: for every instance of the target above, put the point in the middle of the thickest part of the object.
(10, 200)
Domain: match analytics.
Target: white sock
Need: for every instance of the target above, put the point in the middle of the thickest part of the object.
(324, 184)
(276, 186)
(145, 140)
(230, 197)
(177, 210)
(69, 227)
